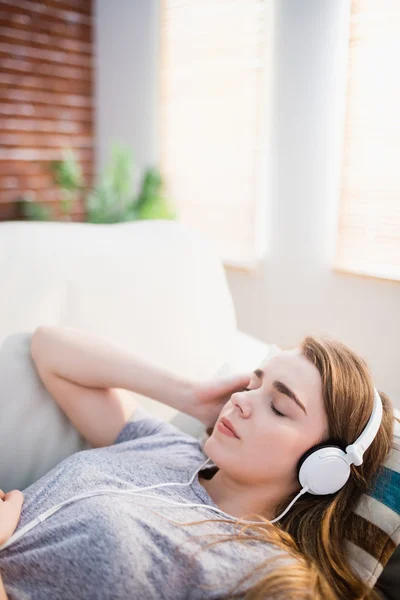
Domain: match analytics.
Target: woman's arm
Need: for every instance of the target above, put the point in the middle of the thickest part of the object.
(92, 361)
(88, 377)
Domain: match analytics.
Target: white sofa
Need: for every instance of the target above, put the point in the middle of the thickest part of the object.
(154, 287)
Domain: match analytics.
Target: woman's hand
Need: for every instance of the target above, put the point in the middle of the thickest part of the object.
(211, 396)
(10, 511)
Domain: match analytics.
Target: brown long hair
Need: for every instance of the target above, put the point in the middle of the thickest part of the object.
(316, 528)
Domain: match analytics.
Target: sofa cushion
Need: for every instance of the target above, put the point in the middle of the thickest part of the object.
(381, 509)
(34, 432)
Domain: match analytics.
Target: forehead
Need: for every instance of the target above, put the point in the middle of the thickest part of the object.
(297, 373)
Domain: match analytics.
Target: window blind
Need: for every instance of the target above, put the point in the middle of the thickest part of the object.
(214, 83)
(369, 219)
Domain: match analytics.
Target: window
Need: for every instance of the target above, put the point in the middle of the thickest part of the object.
(369, 221)
(214, 103)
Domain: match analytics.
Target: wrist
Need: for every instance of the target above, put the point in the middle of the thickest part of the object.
(173, 391)
(185, 400)
(201, 408)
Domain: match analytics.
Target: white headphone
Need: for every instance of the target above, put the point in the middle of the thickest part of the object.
(325, 468)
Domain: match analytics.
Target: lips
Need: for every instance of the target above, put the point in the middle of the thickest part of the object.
(228, 424)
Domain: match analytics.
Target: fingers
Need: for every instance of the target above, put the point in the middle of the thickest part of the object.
(10, 511)
(13, 500)
(238, 382)
(227, 386)
(15, 497)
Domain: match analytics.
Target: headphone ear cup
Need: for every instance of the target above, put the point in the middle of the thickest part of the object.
(324, 469)
(311, 451)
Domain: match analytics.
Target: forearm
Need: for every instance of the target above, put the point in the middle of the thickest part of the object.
(92, 361)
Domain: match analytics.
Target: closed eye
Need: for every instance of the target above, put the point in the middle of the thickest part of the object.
(274, 410)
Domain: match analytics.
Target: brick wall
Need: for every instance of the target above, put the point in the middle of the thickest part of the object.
(46, 98)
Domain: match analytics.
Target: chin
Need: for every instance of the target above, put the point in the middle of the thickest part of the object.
(209, 448)
(216, 451)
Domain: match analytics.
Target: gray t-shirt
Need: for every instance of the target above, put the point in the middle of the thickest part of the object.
(119, 546)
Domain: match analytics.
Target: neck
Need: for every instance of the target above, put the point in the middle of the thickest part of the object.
(238, 499)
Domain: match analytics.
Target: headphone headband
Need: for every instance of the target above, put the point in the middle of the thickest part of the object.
(356, 450)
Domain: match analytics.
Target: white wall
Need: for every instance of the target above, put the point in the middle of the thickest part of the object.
(126, 82)
(295, 291)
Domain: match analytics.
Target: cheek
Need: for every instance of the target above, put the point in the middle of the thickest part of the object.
(278, 446)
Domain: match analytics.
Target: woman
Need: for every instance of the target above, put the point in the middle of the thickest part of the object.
(114, 546)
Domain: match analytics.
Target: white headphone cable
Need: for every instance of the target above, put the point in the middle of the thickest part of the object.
(137, 491)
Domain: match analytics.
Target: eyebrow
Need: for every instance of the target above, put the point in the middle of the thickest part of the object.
(281, 387)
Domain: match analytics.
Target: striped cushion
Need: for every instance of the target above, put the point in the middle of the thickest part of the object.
(381, 510)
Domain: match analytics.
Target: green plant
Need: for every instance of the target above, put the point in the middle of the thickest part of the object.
(34, 211)
(151, 203)
(111, 200)
(67, 174)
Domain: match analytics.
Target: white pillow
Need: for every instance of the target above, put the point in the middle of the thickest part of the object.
(30, 301)
(35, 434)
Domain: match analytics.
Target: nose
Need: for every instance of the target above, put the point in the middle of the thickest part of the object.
(242, 403)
